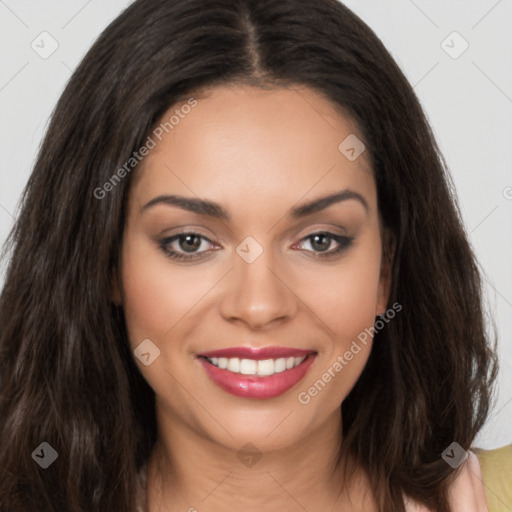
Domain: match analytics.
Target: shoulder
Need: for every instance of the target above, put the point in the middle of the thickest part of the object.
(467, 492)
(484, 483)
(472, 490)
(496, 468)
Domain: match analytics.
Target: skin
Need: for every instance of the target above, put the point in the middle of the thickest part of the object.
(467, 492)
(258, 153)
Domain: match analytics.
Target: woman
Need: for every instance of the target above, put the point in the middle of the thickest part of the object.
(239, 279)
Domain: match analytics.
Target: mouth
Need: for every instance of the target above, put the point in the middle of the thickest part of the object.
(257, 373)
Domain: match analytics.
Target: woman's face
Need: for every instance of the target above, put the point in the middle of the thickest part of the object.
(272, 265)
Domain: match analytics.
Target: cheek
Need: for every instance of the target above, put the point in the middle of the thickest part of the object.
(158, 294)
(345, 297)
(345, 301)
(143, 288)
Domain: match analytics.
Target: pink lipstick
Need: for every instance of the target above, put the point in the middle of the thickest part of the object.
(257, 372)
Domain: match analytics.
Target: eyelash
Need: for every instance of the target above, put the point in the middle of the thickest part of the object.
(343, 241)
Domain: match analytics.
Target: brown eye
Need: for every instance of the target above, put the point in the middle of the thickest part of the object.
(189, 242)
(320, 243)
(184, 246)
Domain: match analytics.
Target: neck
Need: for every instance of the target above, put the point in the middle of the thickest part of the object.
(188, 472)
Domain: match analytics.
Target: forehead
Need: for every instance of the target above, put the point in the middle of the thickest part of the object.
(242, 144)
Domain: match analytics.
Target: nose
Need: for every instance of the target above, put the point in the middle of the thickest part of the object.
(258, 294)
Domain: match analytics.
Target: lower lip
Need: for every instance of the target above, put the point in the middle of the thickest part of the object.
(252, 386)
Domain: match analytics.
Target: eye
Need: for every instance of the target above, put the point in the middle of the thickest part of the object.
(184, 246)
(323, 240)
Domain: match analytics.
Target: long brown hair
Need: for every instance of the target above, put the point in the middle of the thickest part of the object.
(67, 375)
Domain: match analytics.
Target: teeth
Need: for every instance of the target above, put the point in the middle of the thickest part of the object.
(261, 368)
(280, 365)
(266, 367)
(248, 366)
(234, 364)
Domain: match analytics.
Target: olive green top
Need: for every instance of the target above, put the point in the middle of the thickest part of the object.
(497, 474)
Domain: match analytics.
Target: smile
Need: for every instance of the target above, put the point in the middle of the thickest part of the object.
(258, 374)
(251, 367)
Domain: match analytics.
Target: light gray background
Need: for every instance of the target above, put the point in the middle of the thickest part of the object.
(468, 100)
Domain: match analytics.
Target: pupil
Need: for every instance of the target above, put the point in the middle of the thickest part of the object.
(190, 246)
(321, 246)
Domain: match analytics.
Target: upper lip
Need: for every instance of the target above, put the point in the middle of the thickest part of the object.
(257, 353)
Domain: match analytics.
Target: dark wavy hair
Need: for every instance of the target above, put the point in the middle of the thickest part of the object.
(67, 373)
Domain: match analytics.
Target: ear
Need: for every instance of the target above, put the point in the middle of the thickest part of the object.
(386, 265)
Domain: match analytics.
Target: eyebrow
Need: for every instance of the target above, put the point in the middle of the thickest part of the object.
(215, 210)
